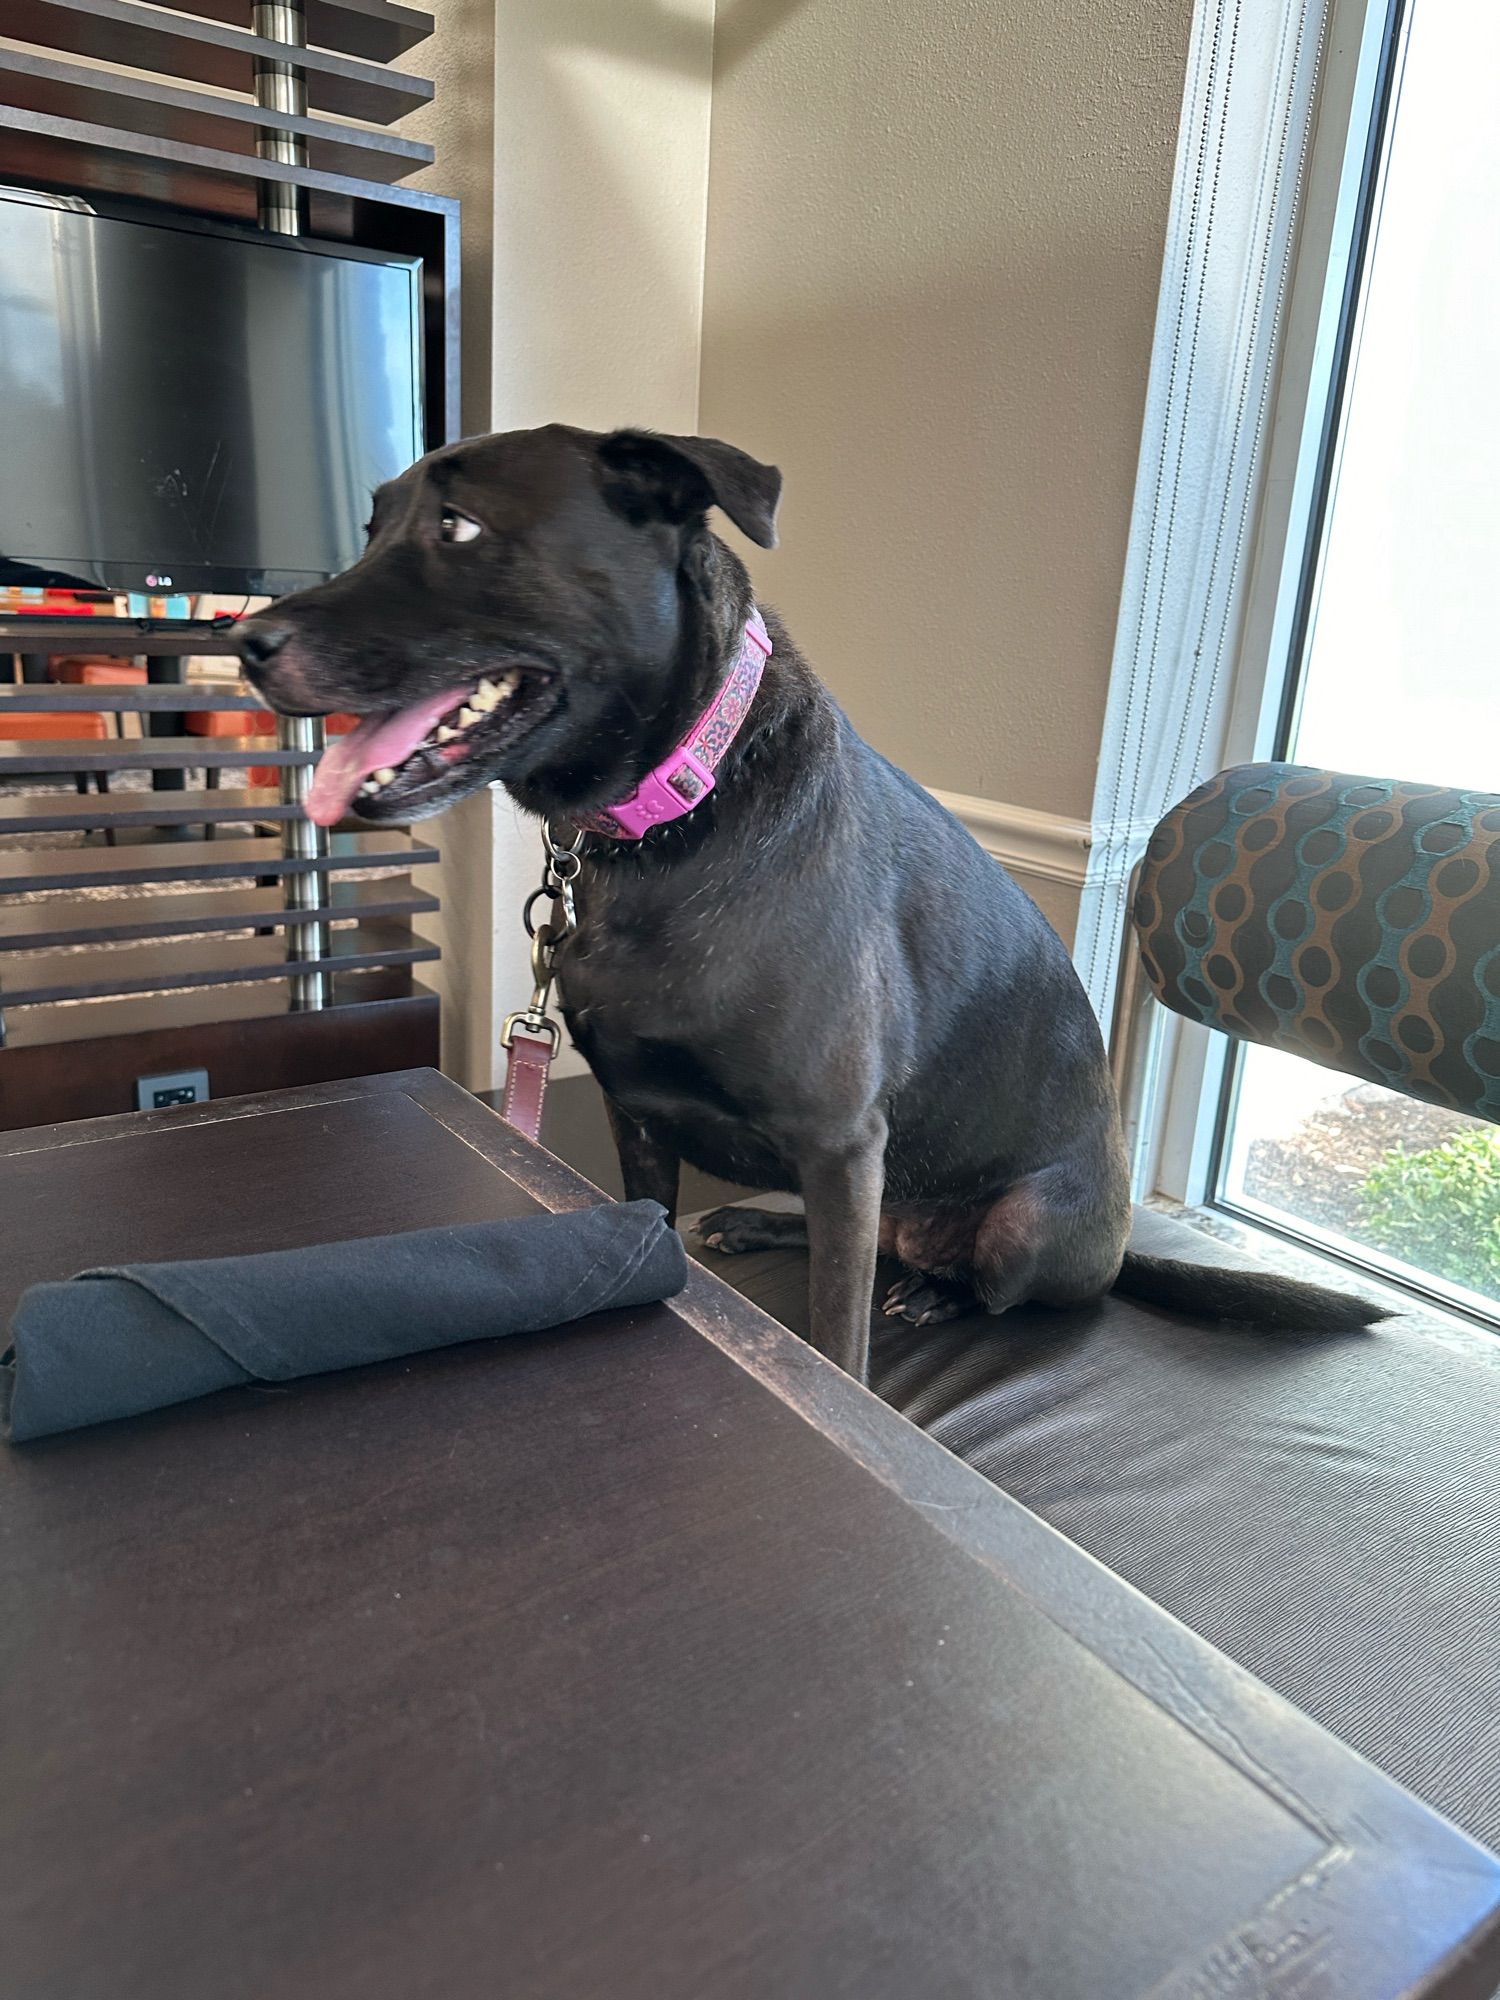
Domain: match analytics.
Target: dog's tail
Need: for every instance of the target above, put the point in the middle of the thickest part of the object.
(1261, 1299)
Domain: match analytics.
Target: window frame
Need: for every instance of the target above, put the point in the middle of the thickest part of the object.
(1186, 1077)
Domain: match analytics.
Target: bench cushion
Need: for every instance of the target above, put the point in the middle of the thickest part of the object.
(1326, 1512)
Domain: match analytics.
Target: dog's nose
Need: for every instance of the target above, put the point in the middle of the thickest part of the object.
(259, 644)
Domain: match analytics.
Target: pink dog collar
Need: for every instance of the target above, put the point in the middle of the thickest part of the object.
(685, 778)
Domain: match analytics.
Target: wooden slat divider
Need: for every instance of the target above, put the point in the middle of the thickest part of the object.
(68, 812)
(374, 29)
(170, 1014)
(181, 130)
(33, 82)
(47, 698)
(155, 968)
(24, 871)
(72, 920)
(38, 756)
(199, 51)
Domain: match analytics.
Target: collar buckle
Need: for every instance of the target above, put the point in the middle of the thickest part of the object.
(678, 783)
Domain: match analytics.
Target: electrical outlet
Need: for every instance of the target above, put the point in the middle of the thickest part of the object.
(183, 1086)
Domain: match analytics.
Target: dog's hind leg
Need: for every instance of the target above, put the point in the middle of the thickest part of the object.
(937, 1248)
(1007, 1248)
(1053, 1238)
(924, 1300)
(649, 1169)
(1039, 1240)
(735, 1231)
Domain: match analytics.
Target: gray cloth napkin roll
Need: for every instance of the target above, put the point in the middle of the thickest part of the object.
(111, 1343)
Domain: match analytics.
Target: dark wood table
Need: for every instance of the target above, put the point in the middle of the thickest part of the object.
(646, 1658)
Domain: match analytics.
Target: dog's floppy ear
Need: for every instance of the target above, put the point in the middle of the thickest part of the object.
(674, 478)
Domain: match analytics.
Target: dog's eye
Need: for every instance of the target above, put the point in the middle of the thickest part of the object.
(458, 527)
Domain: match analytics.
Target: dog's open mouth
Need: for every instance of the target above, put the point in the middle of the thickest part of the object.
(401, 758)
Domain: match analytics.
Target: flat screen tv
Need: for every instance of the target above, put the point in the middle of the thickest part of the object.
(195, 408)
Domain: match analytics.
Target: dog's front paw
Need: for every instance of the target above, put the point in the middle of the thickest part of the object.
(733, 1231)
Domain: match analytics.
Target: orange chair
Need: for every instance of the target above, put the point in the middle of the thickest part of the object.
(232, 722)
(80, 670)
(229, 722)
(253, 722)
(89, 728)
(51, 728)
(87, 670)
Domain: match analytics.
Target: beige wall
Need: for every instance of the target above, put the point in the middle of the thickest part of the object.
(460, 125)
(600, 198)
(934, 244)
(576, 134)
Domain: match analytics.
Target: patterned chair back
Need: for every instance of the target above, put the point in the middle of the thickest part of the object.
(1355, 921)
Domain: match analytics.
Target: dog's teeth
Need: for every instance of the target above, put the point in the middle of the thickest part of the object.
(485, 697)
(368, 788)
(510, 683)
(386, 775)
(467, 717)
(445, 734)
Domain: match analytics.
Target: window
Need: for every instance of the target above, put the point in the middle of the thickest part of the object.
(1388, 660)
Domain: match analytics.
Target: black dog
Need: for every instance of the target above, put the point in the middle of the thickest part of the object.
(816, 980)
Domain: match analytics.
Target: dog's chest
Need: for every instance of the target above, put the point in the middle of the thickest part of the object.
(652, 1006)
(642, 976)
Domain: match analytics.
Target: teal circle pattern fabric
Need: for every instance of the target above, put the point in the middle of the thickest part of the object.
(1354, 921)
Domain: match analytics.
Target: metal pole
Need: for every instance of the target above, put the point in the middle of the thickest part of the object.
(283, 87)
(302, 841)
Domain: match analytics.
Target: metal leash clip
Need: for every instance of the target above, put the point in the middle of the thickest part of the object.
(560, 871)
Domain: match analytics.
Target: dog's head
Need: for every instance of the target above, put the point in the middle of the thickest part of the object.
(540, 608)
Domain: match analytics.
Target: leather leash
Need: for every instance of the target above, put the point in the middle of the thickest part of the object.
(532, 1037)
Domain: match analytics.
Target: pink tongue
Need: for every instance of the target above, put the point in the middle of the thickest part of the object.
(379, 740)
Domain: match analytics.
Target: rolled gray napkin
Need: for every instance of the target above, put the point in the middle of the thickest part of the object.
(111, 1343)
